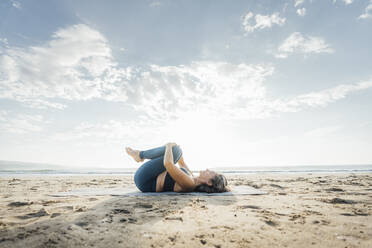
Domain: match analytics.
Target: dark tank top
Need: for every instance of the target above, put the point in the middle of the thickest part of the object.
(169, 182)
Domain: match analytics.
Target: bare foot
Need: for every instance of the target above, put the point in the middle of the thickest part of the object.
(134, 154)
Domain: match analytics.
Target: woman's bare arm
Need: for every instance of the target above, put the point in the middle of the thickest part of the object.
(168, 156)
(176, 173)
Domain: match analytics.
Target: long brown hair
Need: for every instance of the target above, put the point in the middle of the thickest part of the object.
(219, 185)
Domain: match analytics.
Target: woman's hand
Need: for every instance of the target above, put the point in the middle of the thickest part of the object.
(171, 144)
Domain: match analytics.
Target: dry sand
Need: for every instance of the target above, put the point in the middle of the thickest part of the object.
(301, 210)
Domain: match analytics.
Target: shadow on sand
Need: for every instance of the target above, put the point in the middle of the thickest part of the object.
(120, 221)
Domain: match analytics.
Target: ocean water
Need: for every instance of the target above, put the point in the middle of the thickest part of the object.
(13, 169)
(299, 169)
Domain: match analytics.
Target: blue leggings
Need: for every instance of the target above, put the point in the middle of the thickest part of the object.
(145, 176)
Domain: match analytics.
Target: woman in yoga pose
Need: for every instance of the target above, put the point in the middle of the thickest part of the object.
(161, 174)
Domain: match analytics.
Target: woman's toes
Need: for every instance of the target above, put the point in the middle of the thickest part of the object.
(129, 151)
(134, 154)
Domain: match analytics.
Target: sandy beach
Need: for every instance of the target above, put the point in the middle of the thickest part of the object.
(300, 210)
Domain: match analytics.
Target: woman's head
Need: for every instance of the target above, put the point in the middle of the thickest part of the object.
(211, 182)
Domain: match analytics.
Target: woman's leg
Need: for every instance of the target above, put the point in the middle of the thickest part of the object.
(157, 152)
(145, 176)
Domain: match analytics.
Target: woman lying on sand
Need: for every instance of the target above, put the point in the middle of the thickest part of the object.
(161, 174)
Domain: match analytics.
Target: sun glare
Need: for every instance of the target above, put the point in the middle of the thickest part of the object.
(201, 137)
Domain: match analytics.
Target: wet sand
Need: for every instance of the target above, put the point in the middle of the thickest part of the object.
(300, 210)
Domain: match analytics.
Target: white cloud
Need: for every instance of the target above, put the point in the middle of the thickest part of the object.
(301, 12)
(221, 88)
(76, 64)
(347, 2)
(297, 43)
(3, 45)
(4, 41)
(322, 131)
(320, 98)
(223, 91)
(21, 123)
(367, 12)
(170, 96)
(43, 104)
(155, 4)
(16, 4)
(177, 96)
(298, 2)
(261, 21)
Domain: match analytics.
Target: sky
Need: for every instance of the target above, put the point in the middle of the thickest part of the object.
(234, 83)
